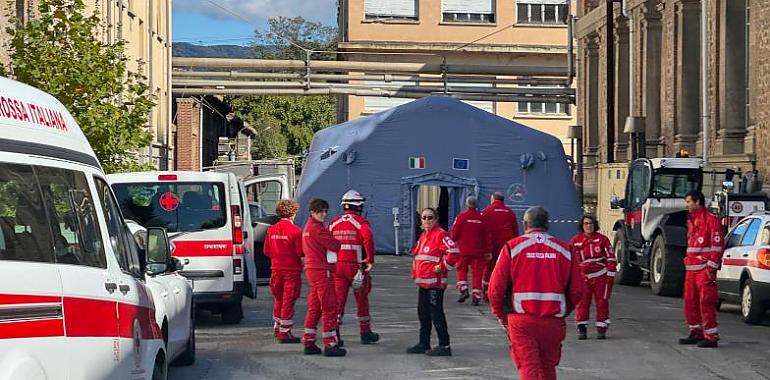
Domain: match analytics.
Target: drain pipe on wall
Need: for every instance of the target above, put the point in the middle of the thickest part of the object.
(704, 72)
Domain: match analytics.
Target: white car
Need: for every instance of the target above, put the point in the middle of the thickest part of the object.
(745, 273)
(74, 303)
(174, 306)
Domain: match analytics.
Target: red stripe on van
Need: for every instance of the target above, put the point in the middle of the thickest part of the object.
(32, 329)
(12, 299)
(203, 248)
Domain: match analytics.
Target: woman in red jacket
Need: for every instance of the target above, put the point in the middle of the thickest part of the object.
(283, 245)
(320, 249)
(598, 264)
(434, 254)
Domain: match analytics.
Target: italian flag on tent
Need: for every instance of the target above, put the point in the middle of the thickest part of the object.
(416, 162)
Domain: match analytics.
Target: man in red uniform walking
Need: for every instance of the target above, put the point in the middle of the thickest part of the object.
(320, 249)
(704, 255)
(502, 224)
(598, 265)
(356, 255)
(472, 237)
(283, 245)
(534, 286)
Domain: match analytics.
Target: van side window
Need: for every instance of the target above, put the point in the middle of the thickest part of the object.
(127, 258)
(25, 232)
(266, 195)
(73, 223)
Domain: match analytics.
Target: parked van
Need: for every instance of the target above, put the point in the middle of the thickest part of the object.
(73, 302)
(205, 215)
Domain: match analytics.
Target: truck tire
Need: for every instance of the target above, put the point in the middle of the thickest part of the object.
(752, 310)
(666, 269)
(626, 273)
(232, 313)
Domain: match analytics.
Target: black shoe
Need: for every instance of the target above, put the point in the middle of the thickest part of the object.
(476, 302)
(289, 340)
(340, 343)
(440, 351)
(464, 296)
(369, 337)
(335, 351)
(582, 332)
(601, 335)
(312, 350)
(418, 349)
(689, 341)
(705, 343)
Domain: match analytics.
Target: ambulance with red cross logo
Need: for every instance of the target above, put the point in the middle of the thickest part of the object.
(206, 219)
(73, 302)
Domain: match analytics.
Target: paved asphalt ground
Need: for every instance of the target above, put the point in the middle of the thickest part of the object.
(642, 342)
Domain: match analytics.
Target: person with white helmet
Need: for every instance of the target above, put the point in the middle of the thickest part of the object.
(354, 261)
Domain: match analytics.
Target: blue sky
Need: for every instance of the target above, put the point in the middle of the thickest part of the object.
(201, 22)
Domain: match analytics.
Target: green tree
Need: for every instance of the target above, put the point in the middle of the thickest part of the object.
(60, 53)
(284, 34)
(269, 142)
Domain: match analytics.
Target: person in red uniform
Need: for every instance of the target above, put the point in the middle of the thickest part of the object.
(704, 255)
(534, 286)
(356, 254)
(503, 226)
(598, 265)
(283, 245)
(320, 249)
(434, 254)
(472, 237)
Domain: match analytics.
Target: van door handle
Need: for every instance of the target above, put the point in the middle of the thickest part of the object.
(164, 294)
(177, 290)
(124, 288)
(745, 255)
(111, 287)
(245, 235)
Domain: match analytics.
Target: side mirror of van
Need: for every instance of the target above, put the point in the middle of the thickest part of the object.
(158, 251)
(616, 202)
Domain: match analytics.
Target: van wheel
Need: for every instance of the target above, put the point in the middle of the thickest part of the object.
(666, 269)
(188, 356)
(752, 311)
(232, 314)
(159, 369)
(626, 274)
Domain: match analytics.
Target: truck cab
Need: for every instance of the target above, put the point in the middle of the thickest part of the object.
(652, 236)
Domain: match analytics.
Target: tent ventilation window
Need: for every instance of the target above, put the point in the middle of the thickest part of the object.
(328, 153)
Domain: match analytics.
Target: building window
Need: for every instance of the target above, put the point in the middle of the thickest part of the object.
(542, 12)
(561, 109)
(478, 11)
(390, 10)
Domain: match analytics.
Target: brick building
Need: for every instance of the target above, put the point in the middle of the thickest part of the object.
(657, 50)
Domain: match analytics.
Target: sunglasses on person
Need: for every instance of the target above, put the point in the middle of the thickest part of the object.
(428, 217)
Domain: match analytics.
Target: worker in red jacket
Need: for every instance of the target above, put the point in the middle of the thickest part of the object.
(598, 265)
(434, 254)
(283, 245)
(534, 286)
(703, 259)
(320, 249)
(356, 256)
(472, 237)
(503, 225)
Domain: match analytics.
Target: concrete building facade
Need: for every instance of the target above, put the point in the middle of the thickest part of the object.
(146, 27)
(657, 51)
(482, 32)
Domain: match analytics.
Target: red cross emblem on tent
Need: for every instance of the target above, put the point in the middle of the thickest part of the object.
(169, 201)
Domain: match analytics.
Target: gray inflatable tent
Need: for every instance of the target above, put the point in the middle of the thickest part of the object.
(437, 141)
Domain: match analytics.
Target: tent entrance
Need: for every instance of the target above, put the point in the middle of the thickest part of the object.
(436, 197)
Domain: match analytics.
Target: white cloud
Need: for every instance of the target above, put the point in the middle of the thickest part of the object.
(257, 11)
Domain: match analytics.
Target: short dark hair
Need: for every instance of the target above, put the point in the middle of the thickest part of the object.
(593, 220)
(697, 196)
(431, 209)
(498, 196)
(318, 205)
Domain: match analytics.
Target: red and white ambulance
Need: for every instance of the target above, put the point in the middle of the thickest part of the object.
(205, 215)
(73, 302)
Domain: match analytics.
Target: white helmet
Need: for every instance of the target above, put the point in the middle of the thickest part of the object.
(353, 198)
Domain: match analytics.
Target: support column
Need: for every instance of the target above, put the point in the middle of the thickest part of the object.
(687, 124)
(591, 127)
(732, 78)
(188, 128)
(652, 30)
(622, 94)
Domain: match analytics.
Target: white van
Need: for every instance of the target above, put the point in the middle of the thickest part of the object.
(205, 215)
(73, 302)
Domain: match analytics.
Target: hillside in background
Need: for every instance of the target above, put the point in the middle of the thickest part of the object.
(186, 49)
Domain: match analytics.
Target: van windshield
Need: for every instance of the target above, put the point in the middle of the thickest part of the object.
(178, 207)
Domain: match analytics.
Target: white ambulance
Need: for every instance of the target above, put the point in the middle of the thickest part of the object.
(73, 302)
(205, 215)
